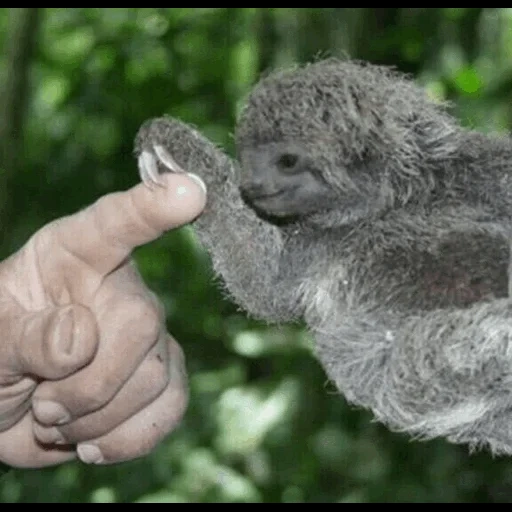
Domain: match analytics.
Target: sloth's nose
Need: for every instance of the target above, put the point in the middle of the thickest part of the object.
(254, 189)
(258, 187)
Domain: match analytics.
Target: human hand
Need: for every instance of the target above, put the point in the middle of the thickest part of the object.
(86, 365)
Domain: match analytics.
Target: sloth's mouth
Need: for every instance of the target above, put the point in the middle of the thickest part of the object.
(262, 199)
(278, 205)
(267, 197)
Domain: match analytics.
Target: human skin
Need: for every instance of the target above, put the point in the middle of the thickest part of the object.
(87, 368)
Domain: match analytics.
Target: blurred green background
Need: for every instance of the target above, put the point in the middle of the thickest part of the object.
(263, 423)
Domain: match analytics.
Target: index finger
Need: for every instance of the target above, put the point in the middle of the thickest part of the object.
(104, 234)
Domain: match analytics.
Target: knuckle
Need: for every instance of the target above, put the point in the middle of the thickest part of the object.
(176, 407)
(181, 404)
(157, 305)
(141, 442)
(176, 352)
(178, 366)
(158, 430)
(144, 316)
(149, 444)
(155, 376)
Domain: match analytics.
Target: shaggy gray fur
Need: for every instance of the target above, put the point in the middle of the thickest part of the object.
(365, 209)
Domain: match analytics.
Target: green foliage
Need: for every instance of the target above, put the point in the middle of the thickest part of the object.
(263, 424)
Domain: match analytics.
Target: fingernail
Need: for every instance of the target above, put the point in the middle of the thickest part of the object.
(48, 435)
(198, 180)
(50, 413)
(89, 454)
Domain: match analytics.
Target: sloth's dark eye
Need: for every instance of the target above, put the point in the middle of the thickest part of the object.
(287, 161)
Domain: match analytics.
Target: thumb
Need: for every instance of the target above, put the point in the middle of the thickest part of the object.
(117, 223)
(56, 342)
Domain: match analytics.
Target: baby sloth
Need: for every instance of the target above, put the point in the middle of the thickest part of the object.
(363, 208)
